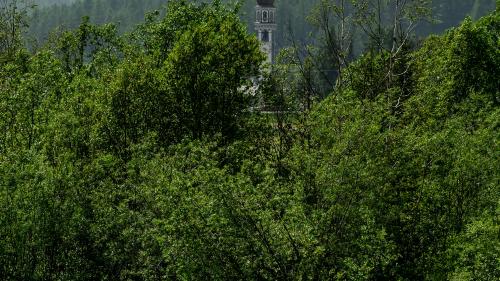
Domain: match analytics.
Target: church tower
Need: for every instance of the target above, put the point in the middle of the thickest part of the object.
(265, 24)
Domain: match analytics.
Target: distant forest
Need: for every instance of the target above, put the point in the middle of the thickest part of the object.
(292, 21)
(44, 3)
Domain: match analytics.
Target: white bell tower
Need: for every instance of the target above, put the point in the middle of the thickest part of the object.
(265, 24)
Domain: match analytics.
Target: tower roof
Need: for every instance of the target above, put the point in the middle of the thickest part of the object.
(265, 3)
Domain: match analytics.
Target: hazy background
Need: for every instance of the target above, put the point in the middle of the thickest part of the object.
(51, 14)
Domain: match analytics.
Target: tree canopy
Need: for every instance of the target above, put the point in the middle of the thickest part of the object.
(144, 157)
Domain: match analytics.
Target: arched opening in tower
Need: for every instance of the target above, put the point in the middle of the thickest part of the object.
(265, 17)
(265, 36)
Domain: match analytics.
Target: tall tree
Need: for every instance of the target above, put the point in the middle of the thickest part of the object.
(13, 22)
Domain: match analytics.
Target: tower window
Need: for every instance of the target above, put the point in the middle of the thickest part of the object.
(259, 16)
(271, 16)
(265, 36)
(265, 16)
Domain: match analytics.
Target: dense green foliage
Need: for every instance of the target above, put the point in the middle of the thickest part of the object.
(138, 157)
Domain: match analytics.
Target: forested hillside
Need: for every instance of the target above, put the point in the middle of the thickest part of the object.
(292, 15)
(45, 3)
(144, 157)
(68, 14)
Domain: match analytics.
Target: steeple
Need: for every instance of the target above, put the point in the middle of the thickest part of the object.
(265, 24)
